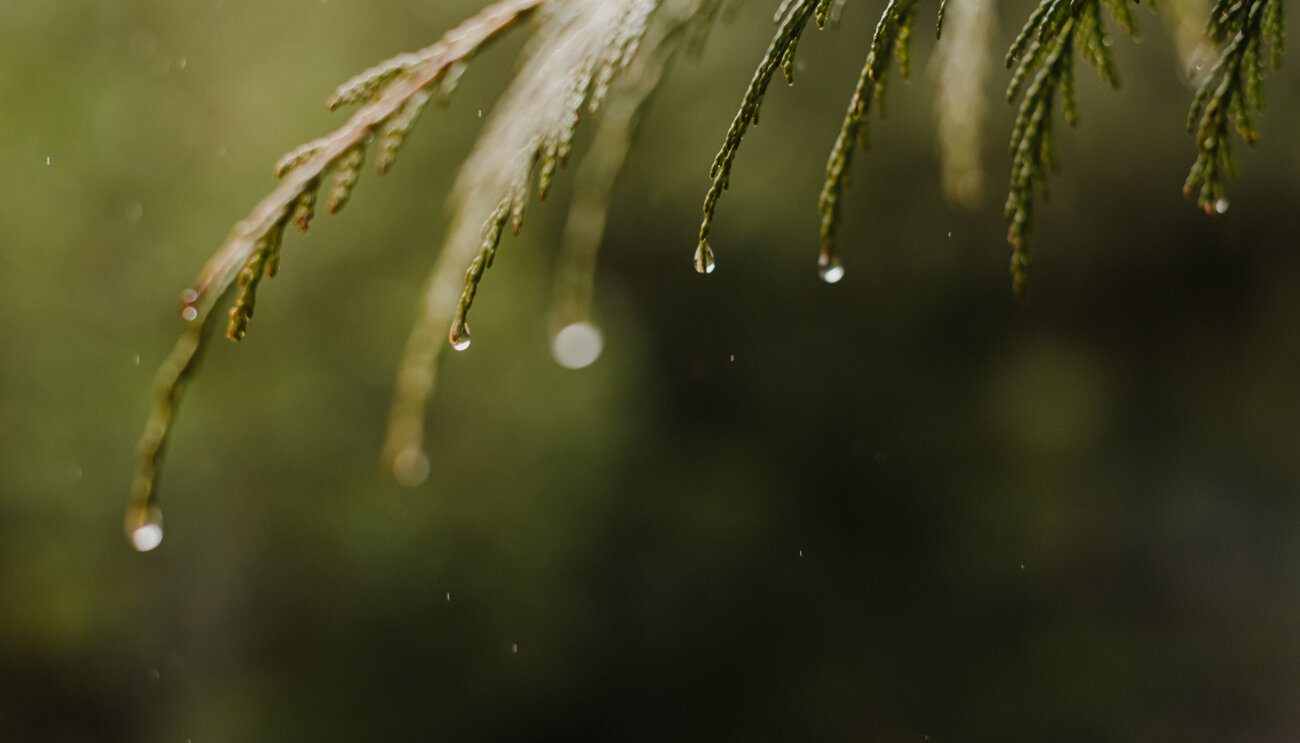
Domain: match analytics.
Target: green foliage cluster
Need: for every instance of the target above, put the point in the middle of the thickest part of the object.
(1044, 52)
(611, 40)
(1231, 91)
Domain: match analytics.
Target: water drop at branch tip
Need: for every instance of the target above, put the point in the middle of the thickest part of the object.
(410, 467)
(145, 529)
(577, 345)
(704, 262)
(460, 337)
(830, 269)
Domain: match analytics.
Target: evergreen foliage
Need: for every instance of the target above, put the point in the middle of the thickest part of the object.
(592, 54)
(1233, 89)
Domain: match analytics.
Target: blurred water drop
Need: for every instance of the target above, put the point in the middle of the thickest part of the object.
(134, 212)
(148, 532)
(410, 467)
(515, 648)
(830, 269)
(577, 345)
(1221, 206)
(189, 313)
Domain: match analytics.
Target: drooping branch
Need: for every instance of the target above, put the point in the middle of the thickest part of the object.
(252, 248)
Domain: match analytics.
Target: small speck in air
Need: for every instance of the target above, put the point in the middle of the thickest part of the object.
(515, 648)
(801, 553)
(949, 233)
(480, 113)
(449, 596)
(136, 360)
(733, 358)
(47, 159)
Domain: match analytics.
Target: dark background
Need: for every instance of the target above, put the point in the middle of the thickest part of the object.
(902, 507)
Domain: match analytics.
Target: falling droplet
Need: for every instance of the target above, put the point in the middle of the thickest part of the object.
(830, 268)
(704, 262)
(449, 595)
(459, 336)
(1221, 206)
(577, 345)
(145, 529)
(514, 648)
(410, 467)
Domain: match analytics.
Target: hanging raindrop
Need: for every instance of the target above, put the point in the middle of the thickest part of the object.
(577, 345)
(830, 268)
(1221, 206)
(410, 467)
(704, 262)
(460, 335)
(145, 529)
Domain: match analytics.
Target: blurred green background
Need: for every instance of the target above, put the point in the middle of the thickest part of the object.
(898, 508)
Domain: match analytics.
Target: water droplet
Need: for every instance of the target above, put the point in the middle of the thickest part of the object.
(577, 345)
(449, 595)
(189, 313)
(145, 529)
(47, 159)
(459, 336)
(1221, 206)
(704, 262)
(136, 360)
(410, 467)
(830, 268)
(514, 648)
